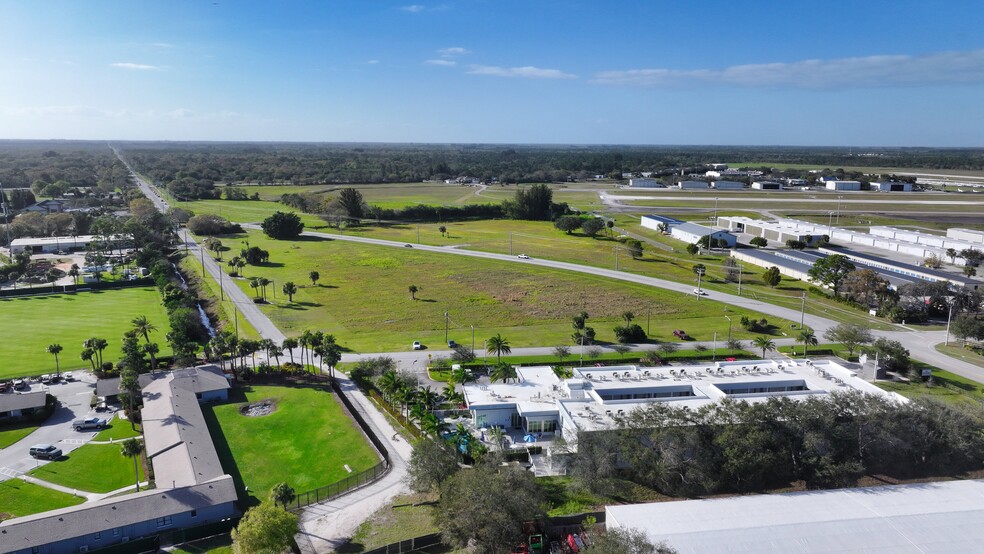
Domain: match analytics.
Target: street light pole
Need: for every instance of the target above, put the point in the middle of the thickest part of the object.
(473, 340)
(949, 314)
(699, 274)
(729, 330)
(803, 310)
(714, 347)
(446, 325)
(740, 269)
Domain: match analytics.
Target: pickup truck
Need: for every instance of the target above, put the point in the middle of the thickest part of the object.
(89, 423)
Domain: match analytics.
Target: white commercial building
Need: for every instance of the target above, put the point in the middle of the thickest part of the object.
(691, 233)
(644, 183)
(773, 231)
(657, 222)
(842, 185)
(46, 245)
(766, 185)
(727, 185)
(893, 519)
(695, 185)
(969, 235)
(541, 402)
(891, 187)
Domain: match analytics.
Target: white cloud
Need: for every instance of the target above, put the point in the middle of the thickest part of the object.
(372, 62)
(869, 71)
(135, 66)
(413, 8)
(453, 51)
(528, 72)
(163, 45)
(441, 62)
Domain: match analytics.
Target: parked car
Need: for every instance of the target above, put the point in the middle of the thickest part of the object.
(523, 257)
(408, 245)
(46, 452)
(452, 344)
(681, 334)
(20, 384)
(68, 376)
(89, 423)
(5, 386)
(46, 379)
(700, 292)
(417, 345)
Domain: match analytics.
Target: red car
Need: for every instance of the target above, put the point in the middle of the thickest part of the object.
(681, 334)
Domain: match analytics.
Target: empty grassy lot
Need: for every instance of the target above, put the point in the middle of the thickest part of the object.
(306, 442)
(30, 323)
(19, 498)
(946, 387)
(363, 298)
(93, 468)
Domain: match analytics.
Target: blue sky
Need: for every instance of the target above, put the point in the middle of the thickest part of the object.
(891, 73)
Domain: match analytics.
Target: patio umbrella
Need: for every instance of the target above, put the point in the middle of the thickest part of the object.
(529, 438)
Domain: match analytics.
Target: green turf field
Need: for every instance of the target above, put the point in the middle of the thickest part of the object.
(30, 323)
(306, 442)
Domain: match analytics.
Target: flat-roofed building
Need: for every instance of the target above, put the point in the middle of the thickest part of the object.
(969, 235)
(657, 222)
(644, 183)
(728, 185)
(767, 185)
(691, 233)
(896, 519)
(842, 185)
(693, 185)
(891, 186)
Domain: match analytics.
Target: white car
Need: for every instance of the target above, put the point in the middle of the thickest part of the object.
(523, 257)
(416, 345)
(700, 292)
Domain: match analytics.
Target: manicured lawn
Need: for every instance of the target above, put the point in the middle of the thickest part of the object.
(92, 468)
(9, 434)
(306, 442)
(362, 298)
(221, 544)
(956, 350)
(29, 324)
(20, 498)
(118, 429)
(945, 387)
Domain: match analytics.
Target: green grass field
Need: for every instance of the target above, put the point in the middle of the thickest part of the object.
(11, 433)
(946, 387)
(20, 498)
(29, 324)
(363, 298)
(306, 442)
(118, 429)
(220, 544)
(956, 350)
(93, 468)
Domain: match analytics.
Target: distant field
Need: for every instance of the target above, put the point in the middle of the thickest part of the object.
(306, 442)
(363, 299)
(29, 324)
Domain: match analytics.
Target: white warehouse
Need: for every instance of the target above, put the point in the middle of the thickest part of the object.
(843, 185)
(969, 235)
(766, 185)
(691, 233)
(692, 185)
(727, 185)
(644, 183)
(891, 187)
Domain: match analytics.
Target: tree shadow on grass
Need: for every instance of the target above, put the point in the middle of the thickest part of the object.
(309, 238)
(301, 306)
(428, 300)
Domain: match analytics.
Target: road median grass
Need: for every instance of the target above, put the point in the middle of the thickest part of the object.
(30, 323)
(19, 498)
(92, 468)
(306, 441)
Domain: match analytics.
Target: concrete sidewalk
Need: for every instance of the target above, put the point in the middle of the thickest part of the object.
(89, 496)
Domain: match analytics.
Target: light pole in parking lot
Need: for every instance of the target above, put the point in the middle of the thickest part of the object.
(729, 330)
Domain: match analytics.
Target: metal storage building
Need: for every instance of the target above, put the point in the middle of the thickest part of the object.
(696, 185)
(891, 186)
(843, 185)
(728, 185)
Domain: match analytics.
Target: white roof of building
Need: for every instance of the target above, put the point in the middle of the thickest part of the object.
(537, 390)
(924, 517)
(27, 241)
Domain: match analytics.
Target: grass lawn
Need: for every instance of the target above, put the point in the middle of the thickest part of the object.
(956, 350)
(946, 387)
(363, 300)
(306, 442)
(563, 498)
(20, 498)
(406, 517)
(93, 468)
(29, 324)
(9, 434)
(118, 429)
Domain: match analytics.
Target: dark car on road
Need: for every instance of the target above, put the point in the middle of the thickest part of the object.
(45, 452)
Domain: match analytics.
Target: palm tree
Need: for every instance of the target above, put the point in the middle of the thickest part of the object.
(53, 275)
(765, 343)
(442, 229)
(88, 355)
(276, 352)
(152, 349)
(451, 395)
(628, 317)
(54, 349)
(254, 283)
(290, 289)
(432, 425)
(413, 291)
(131, 449)
(503, 372)
(807, 338)
(266, 345)
(389, 382)
(264, 283)
(240, 264)
(314, 276)
(282, 494)
(74, 272)
(97, 345)
(289, 345)
(429, 397)
(498, 346)
(144, 328)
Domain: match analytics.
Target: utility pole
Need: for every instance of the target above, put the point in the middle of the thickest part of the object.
(235, 315)
(473, 340)
(700, 273)
(510, 243)
(616, 258)
(202, 249)
(729, 330)
(649, 310)
(740, 270)
(803, 311)
(949, 315)
(221, 292)
(447, 323)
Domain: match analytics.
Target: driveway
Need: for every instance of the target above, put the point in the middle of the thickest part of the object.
(74, 399)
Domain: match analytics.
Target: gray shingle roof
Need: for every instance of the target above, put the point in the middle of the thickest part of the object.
(11, 402)
(103, 515)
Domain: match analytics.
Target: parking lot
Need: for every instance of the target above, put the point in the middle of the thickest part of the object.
(73, 397)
